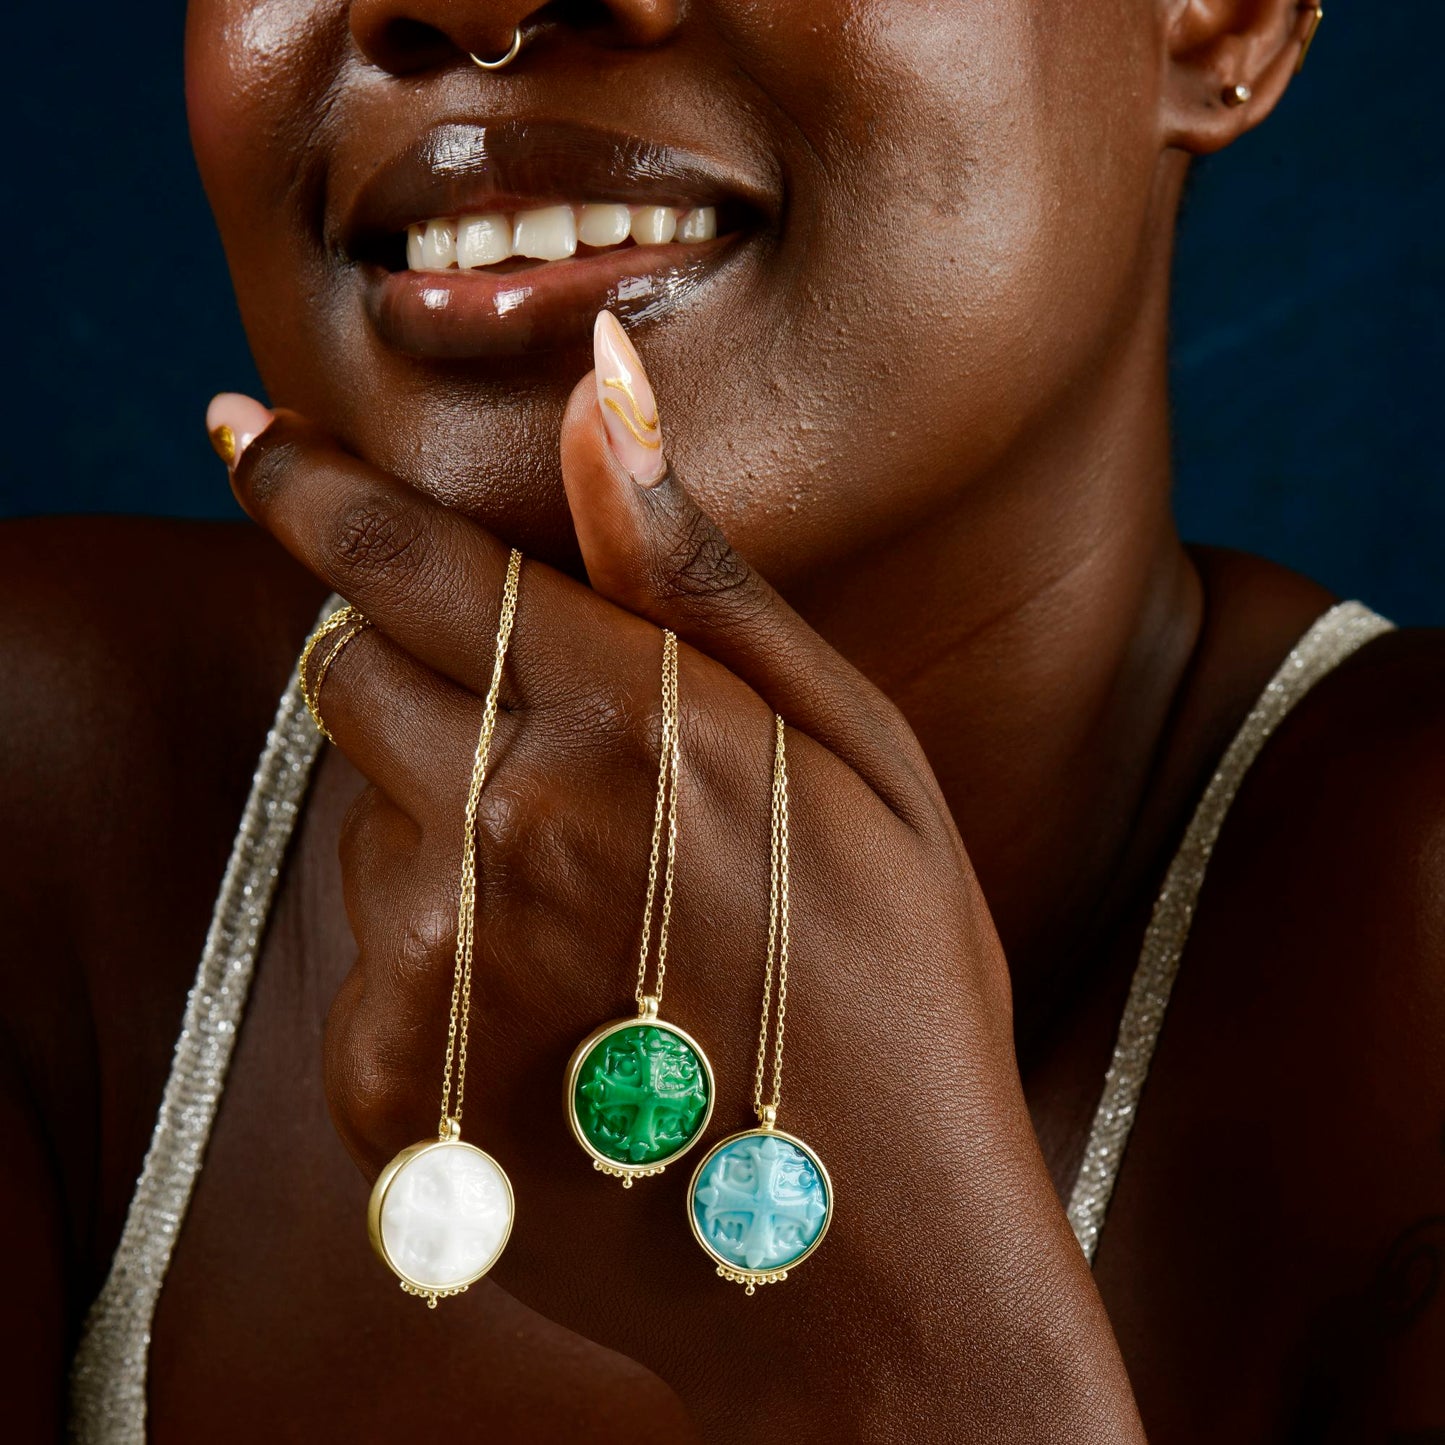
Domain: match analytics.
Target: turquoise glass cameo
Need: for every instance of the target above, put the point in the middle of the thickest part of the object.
(760, 1203)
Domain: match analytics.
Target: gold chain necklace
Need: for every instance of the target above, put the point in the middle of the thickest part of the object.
(441, 1212)
(761, 1201)
(639, 1090)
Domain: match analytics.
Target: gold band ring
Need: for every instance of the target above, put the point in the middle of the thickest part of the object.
(507, 59)
(348, 621)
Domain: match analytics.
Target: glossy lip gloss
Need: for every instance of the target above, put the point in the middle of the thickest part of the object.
(461, 314)
(459, 169)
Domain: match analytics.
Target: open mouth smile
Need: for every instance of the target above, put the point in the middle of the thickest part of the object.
(493, 240)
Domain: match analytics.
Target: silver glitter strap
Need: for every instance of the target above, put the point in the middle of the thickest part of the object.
(108, 1374)
(1338, 634)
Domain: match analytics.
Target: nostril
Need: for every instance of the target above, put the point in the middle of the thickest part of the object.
(400, 44)
(404, 34)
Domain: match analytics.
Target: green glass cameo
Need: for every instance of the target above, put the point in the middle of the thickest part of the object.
(640, 1093)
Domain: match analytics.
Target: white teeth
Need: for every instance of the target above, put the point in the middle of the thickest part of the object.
(699, 224)
(547, 235)
(550, 233)
(439, 245)
(483, 240)
(653, 225)
(603, 225)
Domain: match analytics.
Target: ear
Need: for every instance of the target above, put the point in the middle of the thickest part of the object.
(1216, 45)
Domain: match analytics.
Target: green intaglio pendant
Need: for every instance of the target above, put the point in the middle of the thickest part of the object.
(639, 1094)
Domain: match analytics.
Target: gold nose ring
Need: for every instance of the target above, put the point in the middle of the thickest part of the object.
(507, 59)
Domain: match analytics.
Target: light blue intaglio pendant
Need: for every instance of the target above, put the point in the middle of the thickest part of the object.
(760, 1203)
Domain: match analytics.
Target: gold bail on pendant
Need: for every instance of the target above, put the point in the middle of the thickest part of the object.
(768, 1114)
(648, 1007)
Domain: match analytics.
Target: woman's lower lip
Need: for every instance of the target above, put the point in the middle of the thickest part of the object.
(459, 315)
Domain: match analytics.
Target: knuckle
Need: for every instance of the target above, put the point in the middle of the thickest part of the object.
(428, 938)
(375, 834)
(533, 842)
(265, 465)
(363, 1078)
(699, 562)
(398, 908)
(378, 539)
(506, 820)
(358, 825)
(590, 714)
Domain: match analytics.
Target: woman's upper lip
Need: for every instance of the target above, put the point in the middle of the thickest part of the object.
(463, 167)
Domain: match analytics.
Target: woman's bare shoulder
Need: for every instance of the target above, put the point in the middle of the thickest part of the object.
(141, 661)
(109, 608)
(1296, 1117)
(1335, 856)
(1352, 790)
(142, 658)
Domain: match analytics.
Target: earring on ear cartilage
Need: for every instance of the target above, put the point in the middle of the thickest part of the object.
(639, 1090)
(1316, 14)
(1237, 94)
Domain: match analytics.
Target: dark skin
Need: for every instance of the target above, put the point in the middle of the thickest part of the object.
(982, 615)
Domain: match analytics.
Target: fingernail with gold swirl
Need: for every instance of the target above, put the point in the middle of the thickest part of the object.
(234, 422)
(629, 409)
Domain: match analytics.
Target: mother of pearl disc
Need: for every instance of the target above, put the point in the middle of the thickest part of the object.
(446, 1215)
(760, 1201)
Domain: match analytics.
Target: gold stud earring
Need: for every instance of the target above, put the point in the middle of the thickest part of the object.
(1237, 94)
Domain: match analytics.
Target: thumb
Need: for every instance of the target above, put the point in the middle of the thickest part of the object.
(651, 549)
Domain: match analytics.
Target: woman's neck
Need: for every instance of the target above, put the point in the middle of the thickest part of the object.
(1036, 638)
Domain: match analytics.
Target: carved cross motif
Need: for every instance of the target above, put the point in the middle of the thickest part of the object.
(761, 1202)
(647, 1095)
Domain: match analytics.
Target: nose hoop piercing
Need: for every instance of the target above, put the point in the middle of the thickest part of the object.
(507, 59)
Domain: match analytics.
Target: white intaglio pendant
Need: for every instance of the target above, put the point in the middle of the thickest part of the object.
(440, 1215)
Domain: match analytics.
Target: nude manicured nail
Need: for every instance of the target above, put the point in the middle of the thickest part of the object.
(234, 422)
(629, 409)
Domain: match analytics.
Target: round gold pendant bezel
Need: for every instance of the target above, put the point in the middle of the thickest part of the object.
(620, 1168)
(384, 1180)
(726, 1268)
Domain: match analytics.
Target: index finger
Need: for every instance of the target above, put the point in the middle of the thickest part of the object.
(426, 575)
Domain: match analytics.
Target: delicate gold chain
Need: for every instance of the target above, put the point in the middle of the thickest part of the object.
(467, 897)
(777, 935)
(354, 621)
(664, 817)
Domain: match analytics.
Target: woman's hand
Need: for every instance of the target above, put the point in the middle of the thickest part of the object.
(949, 1299)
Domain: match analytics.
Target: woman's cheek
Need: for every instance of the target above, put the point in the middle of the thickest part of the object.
(255, 71)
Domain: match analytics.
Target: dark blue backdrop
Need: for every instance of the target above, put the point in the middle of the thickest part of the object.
(1307, 337)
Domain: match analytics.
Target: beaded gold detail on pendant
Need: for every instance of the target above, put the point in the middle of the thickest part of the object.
(441, 1212)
